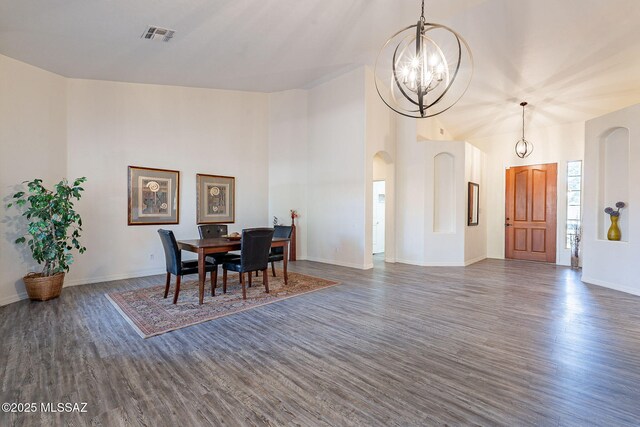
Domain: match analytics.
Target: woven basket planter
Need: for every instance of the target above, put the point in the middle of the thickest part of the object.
(43, 288)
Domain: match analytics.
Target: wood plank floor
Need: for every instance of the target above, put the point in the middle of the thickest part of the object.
(495, 343)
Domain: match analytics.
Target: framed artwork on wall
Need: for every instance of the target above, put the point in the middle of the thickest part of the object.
(473, 205)
(154, 196)
(215, 199)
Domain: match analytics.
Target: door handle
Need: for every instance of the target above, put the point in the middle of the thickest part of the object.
(507, 224)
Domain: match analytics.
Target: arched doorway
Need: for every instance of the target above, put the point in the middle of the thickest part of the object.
(381, 210)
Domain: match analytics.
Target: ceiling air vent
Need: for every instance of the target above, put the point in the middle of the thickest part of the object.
(157, 33)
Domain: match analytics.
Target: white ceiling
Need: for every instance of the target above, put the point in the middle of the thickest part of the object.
(570, 59)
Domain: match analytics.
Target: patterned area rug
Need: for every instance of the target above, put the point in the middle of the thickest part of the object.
(150, 314)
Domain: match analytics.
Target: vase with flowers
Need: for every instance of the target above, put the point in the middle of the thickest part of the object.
(614, 215)
(575, 236)
(292, 244)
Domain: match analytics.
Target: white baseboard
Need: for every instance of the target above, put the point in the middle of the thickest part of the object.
(445, 264)
(409, 262)
(99, 279)
(474, 260)
(614, 286)
(13, 298)
(86, 281)
(442, 264)
(117, 276)
(432, 264)
(340, 263)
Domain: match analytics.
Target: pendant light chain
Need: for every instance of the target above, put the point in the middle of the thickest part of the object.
(523, 104)
(422, 14)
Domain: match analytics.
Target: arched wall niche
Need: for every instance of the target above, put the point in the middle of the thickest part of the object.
(383, 155)
(444, 191)
(613, 179)
(381, 165)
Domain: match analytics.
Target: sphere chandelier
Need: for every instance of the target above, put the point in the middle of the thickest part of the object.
(523, 147)
(428, 68)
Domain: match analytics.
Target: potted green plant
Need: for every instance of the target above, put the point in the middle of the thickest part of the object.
(53, 231)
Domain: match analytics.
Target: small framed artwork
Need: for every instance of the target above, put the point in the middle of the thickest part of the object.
(474, 201)
(154, 196)
(215, 199)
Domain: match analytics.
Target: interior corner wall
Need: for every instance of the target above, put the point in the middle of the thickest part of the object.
(432, 129)
(475, 246)
(336, 171)
(411, 178)
(410, 193)
(32, 145)
(556, 144)
(113, 125)
(288, 157)
(380, 136)
(432, 179)
(613, 264)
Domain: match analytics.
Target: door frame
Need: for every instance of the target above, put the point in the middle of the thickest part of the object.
(384, 213)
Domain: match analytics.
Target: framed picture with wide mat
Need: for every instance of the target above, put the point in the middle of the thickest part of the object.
(154, 196)
(215, 199)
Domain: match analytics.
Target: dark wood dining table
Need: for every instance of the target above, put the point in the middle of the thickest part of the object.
(204, 247)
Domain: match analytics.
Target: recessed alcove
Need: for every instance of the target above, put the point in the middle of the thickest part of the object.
(612, 149)
(613, 179)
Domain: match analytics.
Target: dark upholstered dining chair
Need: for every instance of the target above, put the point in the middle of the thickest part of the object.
(209, 231)
(254, 256)
(177, 267)
(212, 230)
(277, 254)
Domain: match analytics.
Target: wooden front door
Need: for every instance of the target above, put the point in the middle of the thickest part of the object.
(531, 214)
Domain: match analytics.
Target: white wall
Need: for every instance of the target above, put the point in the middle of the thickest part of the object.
(380, 162)
(475, 248)
(32, 145)
(301, 150)
(288, 159)
(410, 193)
(336, 171)
(558, 144)
(113, 125)
(411, 181)
(445, 196)
(432, 181)
(609, 263)
(432, 129)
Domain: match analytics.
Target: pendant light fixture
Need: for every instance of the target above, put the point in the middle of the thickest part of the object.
(427, 67)
(523, 147)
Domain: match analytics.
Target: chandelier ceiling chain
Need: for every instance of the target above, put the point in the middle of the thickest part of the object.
(429, 69)
(523, 147)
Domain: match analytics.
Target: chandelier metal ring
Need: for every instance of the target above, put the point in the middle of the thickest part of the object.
(427, 73)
